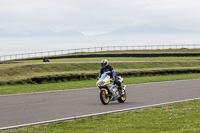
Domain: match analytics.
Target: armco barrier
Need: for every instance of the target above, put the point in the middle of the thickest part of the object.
(96, 49)
(121, 55)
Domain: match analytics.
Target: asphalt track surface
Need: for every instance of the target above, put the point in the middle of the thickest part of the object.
(60, 105)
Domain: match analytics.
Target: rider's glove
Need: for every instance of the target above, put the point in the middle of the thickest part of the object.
(112, 80)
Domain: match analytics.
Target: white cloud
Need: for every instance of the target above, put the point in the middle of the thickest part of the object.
(97, 16)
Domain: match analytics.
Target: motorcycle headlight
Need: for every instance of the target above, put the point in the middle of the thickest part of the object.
(101, 83)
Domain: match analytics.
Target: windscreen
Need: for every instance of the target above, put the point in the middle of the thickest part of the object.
(103, 76)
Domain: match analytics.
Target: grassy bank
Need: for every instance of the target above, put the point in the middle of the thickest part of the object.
(176, 118)
(23, 71)
(28, 88)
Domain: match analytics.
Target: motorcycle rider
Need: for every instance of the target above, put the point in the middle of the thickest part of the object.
(105, 67)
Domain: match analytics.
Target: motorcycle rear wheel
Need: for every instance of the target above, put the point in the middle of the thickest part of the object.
(105, 99)
(122, 98)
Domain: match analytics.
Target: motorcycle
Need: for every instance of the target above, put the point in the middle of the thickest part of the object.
(109, 91)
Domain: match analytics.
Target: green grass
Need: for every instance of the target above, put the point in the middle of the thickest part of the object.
(76, 64)
(28, 88)
(173, 118)
(31, 70)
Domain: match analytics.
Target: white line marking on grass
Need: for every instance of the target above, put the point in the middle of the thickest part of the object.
(95, 114)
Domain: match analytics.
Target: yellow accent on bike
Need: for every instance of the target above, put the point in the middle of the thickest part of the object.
(96, 84)
(105, 97)
(108, 81)
(105, 90)
(123, 98)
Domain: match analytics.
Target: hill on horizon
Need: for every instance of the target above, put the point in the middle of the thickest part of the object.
(147, 29)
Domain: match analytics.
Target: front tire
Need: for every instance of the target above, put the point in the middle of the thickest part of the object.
(105, 99)
(122, 98)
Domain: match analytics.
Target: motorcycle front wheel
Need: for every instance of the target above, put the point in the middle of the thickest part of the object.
(105, 99)
(122, 98)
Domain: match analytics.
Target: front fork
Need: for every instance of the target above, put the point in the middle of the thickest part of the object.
(123, 89)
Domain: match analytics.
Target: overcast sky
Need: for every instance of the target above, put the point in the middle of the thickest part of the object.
(96, 16)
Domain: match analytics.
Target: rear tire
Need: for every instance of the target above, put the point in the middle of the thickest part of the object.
(122, 98)
(105, 99)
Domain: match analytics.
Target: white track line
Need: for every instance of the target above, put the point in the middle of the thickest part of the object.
(95, 114)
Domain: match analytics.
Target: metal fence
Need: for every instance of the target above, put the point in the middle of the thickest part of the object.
(96, 49)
